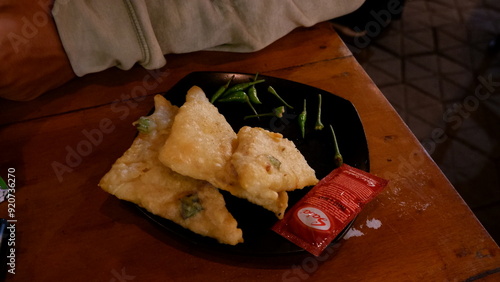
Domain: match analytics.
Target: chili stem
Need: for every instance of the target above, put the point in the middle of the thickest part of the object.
(302, 120)
(337, 157)
(271, 90)
(277, 112)
(241, 87)
(319, 125)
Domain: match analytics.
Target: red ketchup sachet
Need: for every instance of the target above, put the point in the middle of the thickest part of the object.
(314, 221)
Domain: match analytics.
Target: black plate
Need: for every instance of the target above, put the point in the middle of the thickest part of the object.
(317, 148)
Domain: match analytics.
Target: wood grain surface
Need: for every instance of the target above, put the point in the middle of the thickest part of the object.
(68, 229)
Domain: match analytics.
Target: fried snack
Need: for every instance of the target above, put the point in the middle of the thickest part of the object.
(266, 162)
(201, 146)
(201, 142)
(139, 177)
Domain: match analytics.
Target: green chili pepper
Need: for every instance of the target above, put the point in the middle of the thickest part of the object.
(302, 120)
(319, 125)
(220, 91)
(239, 96)
(241, 87)
(252, 92)
(277, 112)
(190, 206)
(143, 125)
(271, 90)
(337, 157)
(274, 162)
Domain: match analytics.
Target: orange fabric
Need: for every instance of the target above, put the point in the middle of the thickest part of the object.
(32, 58)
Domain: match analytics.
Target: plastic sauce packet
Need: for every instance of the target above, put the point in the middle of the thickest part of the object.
(314, 221)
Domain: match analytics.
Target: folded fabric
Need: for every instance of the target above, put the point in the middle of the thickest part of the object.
(101, 34)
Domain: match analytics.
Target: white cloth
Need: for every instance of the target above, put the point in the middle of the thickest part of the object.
(99, 34)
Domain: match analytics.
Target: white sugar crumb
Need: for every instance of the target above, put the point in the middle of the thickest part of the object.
(373, 223)
(353, 232)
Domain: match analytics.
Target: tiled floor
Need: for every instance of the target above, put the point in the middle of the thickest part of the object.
(438, 68)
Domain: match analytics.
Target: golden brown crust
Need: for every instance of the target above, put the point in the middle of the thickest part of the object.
(202, 145)
(139, 177)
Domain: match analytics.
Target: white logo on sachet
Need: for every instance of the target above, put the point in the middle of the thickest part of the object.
(314, 218)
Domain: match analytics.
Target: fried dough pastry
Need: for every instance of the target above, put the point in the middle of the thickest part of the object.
(139, 177)
(266, 162)
(201, 145)
(201, 142)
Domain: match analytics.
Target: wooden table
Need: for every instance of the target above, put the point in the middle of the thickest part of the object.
(68, 229)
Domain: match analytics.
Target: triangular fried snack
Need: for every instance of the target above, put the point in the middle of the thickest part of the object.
(139, 177)
(201, 146)
(265, 161)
